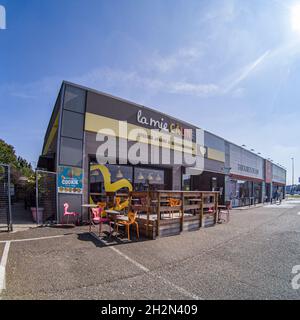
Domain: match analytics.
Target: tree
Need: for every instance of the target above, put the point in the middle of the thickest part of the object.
(19, 166)
(24, 167)
(7, 154)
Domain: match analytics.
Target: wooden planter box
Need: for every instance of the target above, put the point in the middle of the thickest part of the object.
(169, 227)
(152, 228)
(208, 220)
(191, 223)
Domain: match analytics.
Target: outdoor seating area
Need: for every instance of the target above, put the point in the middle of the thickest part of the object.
(150, 214)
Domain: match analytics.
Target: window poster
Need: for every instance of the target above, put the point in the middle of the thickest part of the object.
(69, 180)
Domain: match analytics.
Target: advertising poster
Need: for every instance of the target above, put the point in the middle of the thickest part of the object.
(69, 180)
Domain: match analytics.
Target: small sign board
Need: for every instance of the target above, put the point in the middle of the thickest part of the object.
(69, 180)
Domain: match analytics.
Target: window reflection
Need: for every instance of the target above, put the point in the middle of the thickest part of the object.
(145, 179)
(142, 178)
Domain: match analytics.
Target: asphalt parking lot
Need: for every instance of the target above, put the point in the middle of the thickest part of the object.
(250, 258)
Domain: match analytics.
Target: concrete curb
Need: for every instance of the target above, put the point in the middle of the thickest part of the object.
(248, 208)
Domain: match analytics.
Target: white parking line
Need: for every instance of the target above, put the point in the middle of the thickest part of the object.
(34, 239)
(145, 269)
(298, 213)
(129, 259)
(181, 290)
(5, 256)
(3, 266)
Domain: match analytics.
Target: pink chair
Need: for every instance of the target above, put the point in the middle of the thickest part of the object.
(99, 218)
(68, 213)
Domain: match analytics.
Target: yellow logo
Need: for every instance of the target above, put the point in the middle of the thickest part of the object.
(112, 186)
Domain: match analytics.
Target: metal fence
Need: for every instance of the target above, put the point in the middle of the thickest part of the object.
(5, 198)
(46, 197)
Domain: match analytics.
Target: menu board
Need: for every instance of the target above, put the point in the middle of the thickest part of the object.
(69, 180)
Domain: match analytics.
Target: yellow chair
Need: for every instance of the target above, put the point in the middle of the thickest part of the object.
(131, 221)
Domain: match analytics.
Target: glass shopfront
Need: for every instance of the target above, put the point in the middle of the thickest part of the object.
(244, 193)
(186, 182)
(141, 179)
(148, 179)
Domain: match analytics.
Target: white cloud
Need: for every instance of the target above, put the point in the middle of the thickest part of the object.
(182, 58)
(245, 72)
(109, 78)
(195, 89)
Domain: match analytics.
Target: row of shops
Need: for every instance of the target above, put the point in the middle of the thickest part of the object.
(86, 122)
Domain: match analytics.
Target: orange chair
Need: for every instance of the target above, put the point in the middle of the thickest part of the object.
(119, 206)
(131, 221)
(102, 205)
(173, 203)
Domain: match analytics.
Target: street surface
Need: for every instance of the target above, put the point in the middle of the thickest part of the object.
(252, 257)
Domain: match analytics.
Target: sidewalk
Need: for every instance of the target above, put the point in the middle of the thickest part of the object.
(21, 218)
(249, 207)
(283, 204)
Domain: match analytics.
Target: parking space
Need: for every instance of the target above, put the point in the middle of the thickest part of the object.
(251, 257)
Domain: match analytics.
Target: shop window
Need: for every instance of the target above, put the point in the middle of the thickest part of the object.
(74, 99)
(120, 172)
(142, 179)
(214, 184)
(145, 179)
(257, 188)
(97, 190)
(186, 182)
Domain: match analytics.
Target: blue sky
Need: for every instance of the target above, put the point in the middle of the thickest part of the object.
(228, 66)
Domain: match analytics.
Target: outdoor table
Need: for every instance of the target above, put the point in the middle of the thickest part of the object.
(89, 206)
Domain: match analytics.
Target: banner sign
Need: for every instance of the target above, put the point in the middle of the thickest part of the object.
(69, 180)
(268, 171)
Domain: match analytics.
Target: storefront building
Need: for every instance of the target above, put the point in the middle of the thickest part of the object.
(72, 143)
(213, 177)
(278, 182)
(245, 184)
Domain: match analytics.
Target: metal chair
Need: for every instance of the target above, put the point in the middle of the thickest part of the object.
(131, 221)
(226, 211)
(68, 213)
(99, 217)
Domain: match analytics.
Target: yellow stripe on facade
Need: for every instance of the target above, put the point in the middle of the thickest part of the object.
(94, 123)
(51, 135)
(215, 155)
